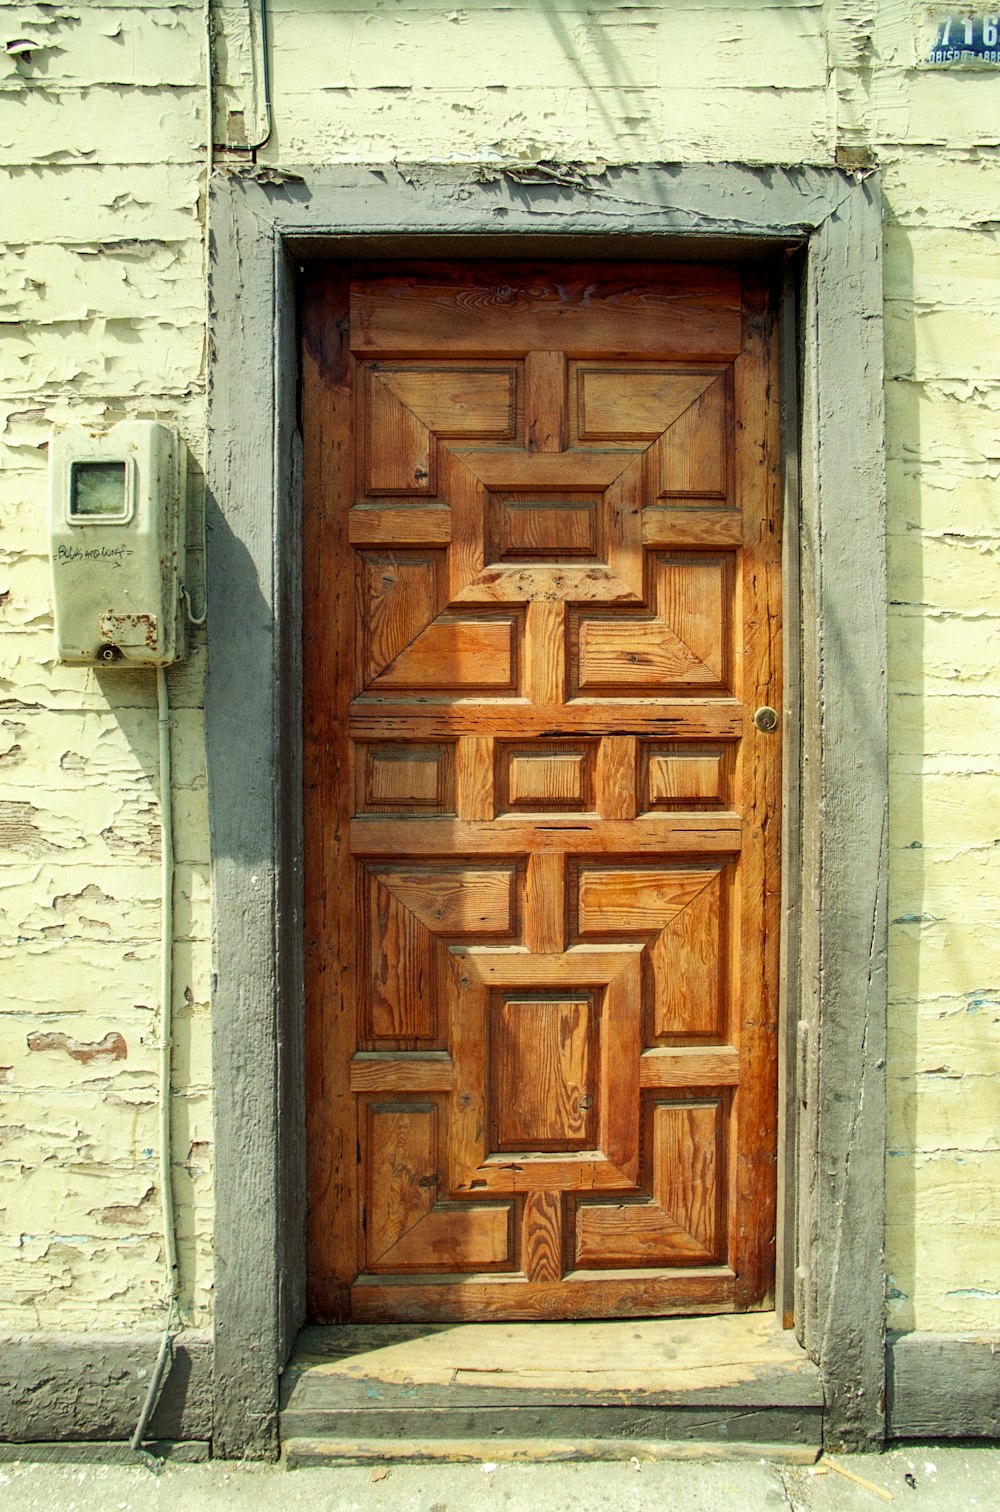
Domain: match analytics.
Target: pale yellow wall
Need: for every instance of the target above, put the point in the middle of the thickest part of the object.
(102, 152)
(106, 137)
(936, 136)
(533, 79)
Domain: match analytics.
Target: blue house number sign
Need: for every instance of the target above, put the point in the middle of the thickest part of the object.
(964, 37)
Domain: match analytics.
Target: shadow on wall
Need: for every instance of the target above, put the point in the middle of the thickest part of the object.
(943, 1002)
(523, 83)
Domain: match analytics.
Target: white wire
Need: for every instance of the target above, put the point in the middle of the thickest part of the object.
(199, 619)
(167, 898)
(166, 1047)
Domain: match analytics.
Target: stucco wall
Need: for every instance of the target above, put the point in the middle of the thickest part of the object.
(103, 128)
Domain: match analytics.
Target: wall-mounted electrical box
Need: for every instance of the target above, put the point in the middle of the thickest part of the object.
(117, 540)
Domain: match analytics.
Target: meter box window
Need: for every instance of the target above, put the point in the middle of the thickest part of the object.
(117, 541)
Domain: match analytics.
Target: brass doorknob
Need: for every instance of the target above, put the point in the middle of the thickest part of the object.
(766, 719)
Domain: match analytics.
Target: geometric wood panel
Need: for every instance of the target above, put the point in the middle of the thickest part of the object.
(402, 977)
(542, 569)
(680, 910)
(692, 452)
(633, 404)
(678, 1222)
(683, 644)
(456, 651)
(406, 1228)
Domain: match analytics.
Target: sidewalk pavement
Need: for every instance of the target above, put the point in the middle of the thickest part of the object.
(913, 1478)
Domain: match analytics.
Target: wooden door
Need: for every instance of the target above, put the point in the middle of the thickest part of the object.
(542, 572)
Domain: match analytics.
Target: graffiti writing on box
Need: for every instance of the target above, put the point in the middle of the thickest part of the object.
(114, 554)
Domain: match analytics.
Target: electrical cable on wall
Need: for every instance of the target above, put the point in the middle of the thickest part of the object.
(261, 70)
(167, 896)
(166, 1058)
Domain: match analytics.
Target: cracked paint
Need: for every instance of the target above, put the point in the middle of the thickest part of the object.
(103, 148)
(111, 1048)
(104, 311)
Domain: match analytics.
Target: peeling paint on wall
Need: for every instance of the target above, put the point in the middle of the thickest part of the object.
(102, 148)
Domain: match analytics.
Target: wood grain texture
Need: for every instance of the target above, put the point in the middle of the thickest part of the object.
(578, 1294)
(542, 1059)
(455, 899)
(402, 978)
(755, 965)
(689, 965)
(551, 775)
(545, 400)
(399, 777)
(469, 401)
(683, 644)
(702, 718)
(456, 651)
(615, 403)
(616, 777)
(402, 1071)
(547, 616)
(572, 833)
(694, 452)
(690, 1066)
(681, 777)
(399, 594)
(400, 1155)
(670, 526)
(329, 672)
(475, 778)
(399, 458)
(405, 1228)
(370, 525)
(678, 1221)
(545, 903)
(524, 527)
(509, 309)
(545, 652)
(513, 471)
(542, 1237)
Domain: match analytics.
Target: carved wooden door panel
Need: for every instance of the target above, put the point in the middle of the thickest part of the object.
(542, 604)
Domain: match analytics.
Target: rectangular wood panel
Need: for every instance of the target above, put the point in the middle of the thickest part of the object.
(433, 309)
(542, 560)
(542, 1061)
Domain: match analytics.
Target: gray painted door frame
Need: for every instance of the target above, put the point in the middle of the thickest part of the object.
(826, 226)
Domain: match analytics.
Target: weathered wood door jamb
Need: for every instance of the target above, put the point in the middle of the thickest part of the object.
(261, 231)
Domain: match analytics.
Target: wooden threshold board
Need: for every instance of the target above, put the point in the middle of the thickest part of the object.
(733, 1378)
(311, 1454)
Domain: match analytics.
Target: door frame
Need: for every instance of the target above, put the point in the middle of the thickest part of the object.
(823, 227)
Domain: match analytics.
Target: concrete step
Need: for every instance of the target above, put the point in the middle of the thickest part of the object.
(733, 1381)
